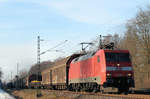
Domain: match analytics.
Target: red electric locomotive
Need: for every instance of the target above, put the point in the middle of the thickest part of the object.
(103, 68)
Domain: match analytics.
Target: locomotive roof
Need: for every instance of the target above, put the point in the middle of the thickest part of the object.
(90, 54)
(63, 61)
(84, 57)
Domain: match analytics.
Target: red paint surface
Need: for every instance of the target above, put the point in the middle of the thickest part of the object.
(92, 68)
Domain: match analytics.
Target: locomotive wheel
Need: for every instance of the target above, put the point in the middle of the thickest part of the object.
(102, 91)
(126, 93)
(77, 87)
(77, 90)
(95, 89)
(123, 90)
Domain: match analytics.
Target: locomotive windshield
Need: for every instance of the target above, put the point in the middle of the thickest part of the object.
(117, 57)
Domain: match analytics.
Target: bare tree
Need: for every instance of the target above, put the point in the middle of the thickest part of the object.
(23, 73)
(34, 69)
(137, 40)
(58, 59)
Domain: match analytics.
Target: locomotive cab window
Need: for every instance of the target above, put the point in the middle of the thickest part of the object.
(75, 60)
(98, 59)
(119, 57)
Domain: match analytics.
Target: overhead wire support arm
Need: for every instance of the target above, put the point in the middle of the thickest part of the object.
(54, 48)
(85, 43)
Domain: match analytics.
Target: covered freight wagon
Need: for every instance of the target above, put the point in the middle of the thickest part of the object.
(55, 76)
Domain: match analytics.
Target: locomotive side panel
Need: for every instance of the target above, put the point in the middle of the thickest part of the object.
(84, 70)
(100, 66)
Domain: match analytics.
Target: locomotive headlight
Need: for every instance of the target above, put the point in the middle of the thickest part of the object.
(118, 65)
(108, 75)
(129, 75)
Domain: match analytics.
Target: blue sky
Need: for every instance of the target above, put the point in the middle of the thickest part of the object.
(55, 21)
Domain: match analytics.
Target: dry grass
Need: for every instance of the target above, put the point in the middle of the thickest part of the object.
(31, 94)
(48, 94)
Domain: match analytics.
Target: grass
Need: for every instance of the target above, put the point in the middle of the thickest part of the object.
(31, 94)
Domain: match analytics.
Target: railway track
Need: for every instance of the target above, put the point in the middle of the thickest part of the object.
(86, 95)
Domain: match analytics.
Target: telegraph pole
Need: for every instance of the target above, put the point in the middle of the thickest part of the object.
(11, 81)
(11, 76)
(17, 76)
(17, 68)
(38, 55)
(38, 63)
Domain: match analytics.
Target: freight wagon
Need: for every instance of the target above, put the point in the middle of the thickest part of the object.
(55, 76)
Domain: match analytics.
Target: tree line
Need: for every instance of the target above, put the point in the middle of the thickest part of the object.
(136, 39)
